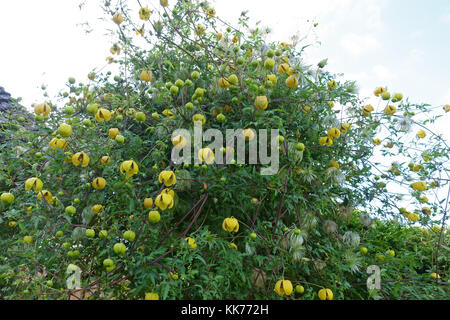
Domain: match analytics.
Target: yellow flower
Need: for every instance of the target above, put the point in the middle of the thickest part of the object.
(105, 160)
(345, 127)
(435, 275)
(292, 82)
(168, 113)
(47, 196)
(326, 141)
(97, 208)
(261, 102)
(331, 104)
(249, 134)
(80, 158)
(334, 163)
(332, 85)
(272, 78)
(413, 217)
(42, 108)
(200, 30)
(426, 211)
(191, 242)
(113, 132)
(376, 142)
(421, 134)
(334, 133)
(419, 186)
(164, 3)
(140, 31)
(206, 154)
(224, 83)
(130, 167)
(165, 199)
(283, 68)
(152, 295)
(99, 183)
(58, 143)
(390, 110)
(168, 177)
(148, 203)
(103, 115)
(325, 294)
(379, 91)
(235, 39)
(283, 287)
(233, 245)
(144, 13)
(447, 108)
(391, 252)
(179, 141)
(115, 49)
(199, 117)
(146, 75)
(109, 60)
(219, 36)
(34, 183)
(65, 130)
(118, 18)
(230, 224)
(367, 110)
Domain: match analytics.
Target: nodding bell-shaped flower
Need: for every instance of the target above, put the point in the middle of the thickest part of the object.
(191, 242)
(97, 208)
(58, 143)
(325, 294)
(47, 196)
(168, 177)
(42, 108)
(80, 158)
(165, 199)
(103, 115)
(99, 183)
(206, 154)
(230, 224)
(419, 186)
(130, 167)
(283, 287)
(34, 183)
(106, 160)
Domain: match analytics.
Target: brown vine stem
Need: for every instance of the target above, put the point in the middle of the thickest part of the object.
(281, 204)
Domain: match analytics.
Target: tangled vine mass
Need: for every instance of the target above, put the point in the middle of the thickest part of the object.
(93, 207)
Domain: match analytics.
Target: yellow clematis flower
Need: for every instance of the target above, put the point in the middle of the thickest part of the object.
(233, 245)
(146, 75)
(179, 142)
(206, 154)
(113, 132)
(103, 115)
(80, 158)
(334, 133)
(106, 160)
(148, 203)
(379, 91)
(325, 294)
(168, 113)
(283, 68)
(283, 287)
(249, 134)
(47, 196)
(224, 83)
(151, 296)
(42, 108)
(200, 30)
(198, 117)
(34, 183)
(130, 167)
(332, 85)
(58, 143)
(261, 102)
(191, 242)
(419, 186)
(165, 199)
(230, 224)
(144, 14)
(99, 183)
(291, 82)
(97, 208)
(168, 177)
(421, 134)
(390, 110)
(117, 18)
(326, 141)
(367, 110)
